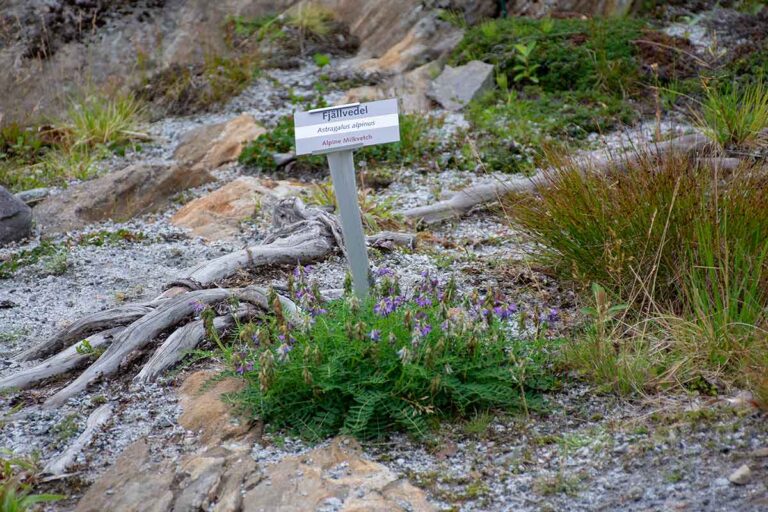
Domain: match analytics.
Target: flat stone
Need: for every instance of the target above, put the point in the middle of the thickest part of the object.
(741, 476)
(133, 483)
(120, 195)
(334, 477)
(218, 215)
(204, 411)
(15, 218)
(211, 146)
(456, 87)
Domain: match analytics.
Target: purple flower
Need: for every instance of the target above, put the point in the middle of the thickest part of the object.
(282, 352)
(424, 330)
(384, 271)
(197, 306)
(317, 311)
(248, 367)
(375, 335)
(553, 315)
(423, 301)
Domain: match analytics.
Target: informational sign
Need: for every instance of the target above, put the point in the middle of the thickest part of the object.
(337, 131)
(354, 125)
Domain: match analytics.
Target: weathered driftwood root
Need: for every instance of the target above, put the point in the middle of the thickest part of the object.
(65, 361)
(136, 336)
(184, 339)
(103, 320)
(464, 200)
(59, 465)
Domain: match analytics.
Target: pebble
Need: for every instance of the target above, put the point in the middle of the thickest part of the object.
(741, 476)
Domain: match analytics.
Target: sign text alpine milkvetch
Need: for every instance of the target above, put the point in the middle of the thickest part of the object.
(354, 125)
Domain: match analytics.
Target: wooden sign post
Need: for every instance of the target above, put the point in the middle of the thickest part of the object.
(337, 132)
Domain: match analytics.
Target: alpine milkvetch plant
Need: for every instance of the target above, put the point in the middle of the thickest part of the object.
(399, 361)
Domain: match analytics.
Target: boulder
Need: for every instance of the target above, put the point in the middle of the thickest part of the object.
(15, 218)
(382, 25)
(121, 195)
(211, 146)
(333, 477)
(410, 88)
(455, 87)
(218, 215)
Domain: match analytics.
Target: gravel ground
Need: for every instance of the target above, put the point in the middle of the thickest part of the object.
(589, 452)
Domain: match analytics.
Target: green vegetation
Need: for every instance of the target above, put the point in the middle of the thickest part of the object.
(734, 114)
(54, 256)
(311, 19)
(393, 363)
(17, 482)
(559, 81)
(683, 247)
(94, 127)
(180, 90)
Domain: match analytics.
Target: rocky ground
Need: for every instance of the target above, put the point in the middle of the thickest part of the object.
(178, 443)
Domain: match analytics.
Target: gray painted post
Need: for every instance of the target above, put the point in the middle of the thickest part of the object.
(343, 176)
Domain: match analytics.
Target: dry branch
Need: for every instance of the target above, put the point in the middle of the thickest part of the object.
(97, 418)
(97, 322)
(63, 362)
(466, 199)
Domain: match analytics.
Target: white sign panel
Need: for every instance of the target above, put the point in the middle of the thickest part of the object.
(346, 126)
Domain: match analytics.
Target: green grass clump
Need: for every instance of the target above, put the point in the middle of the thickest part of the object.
(377, 213)
(515, 127)
(94, 127)
(734, 115)
(17, 482)
(392, 363)
(683, 247)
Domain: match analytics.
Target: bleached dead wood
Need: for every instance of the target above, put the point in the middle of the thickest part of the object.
(59, 465)
(136, 336)
(97, 322)
(464, 200)
(67, 360)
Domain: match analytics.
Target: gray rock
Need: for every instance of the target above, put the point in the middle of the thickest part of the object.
(15, 218)
(455, 87)
(740, 476)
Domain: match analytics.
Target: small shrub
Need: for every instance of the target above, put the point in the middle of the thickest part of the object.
(392, 363)
(684, 247)
(735, 114)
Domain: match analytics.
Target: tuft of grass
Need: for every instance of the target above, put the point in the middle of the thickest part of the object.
(683, 246)
(734, 115)
(98, 120)
(311, 19)
(392, 363)
(94, 127)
